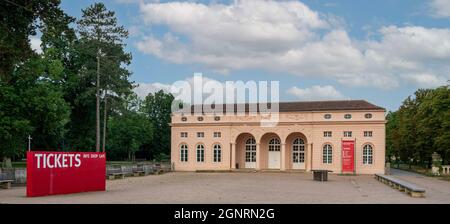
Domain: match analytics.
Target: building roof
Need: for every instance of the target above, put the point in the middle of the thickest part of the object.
(344, 105)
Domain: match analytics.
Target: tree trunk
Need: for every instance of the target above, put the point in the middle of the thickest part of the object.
(444, 158)
(97, 135)
(105, 120)
(7, 162)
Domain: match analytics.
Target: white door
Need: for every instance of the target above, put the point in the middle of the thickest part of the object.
(298, 154)
(250, 153)
(274, 156)
(274, 160)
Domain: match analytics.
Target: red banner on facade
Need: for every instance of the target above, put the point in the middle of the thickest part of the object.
(348, 156)
(51, 173)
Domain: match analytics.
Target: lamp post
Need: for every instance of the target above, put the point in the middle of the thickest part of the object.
(29, 142)
(97, 144)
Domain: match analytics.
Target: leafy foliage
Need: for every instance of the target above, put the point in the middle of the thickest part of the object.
(420, 127)
(128, 131)
(157, 108)
(51, 95)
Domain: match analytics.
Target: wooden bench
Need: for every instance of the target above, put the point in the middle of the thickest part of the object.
(157, 169)
(138, 171)
(411, 189)
(6, 184)
(113, 173)
(148, 169)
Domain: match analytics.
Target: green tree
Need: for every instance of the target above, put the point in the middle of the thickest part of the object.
(392, 136)
(42, 101)
(157, 108)
(30, 84)
(420, 127)
(434, 123)
(19, 21)
(128, 131)
(13, 127)
(103, 57)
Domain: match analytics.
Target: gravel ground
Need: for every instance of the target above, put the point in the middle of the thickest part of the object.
(245, 188)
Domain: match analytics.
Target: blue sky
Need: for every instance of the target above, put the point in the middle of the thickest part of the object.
(381, 51)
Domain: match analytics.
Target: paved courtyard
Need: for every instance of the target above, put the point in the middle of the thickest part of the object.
(238, 188)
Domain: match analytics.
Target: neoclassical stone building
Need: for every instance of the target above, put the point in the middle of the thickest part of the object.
(341, 136)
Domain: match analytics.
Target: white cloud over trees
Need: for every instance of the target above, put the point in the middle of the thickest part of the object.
(316, 92)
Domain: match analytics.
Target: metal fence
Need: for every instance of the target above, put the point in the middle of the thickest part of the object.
(147, 168)
(18, 175)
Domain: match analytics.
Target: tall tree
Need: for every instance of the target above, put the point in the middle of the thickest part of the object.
(421, 126)
(157, 107)
(434, 122)
(392, 136)
(31, 99)
(129, 130)
(102, 38)
(19, 21)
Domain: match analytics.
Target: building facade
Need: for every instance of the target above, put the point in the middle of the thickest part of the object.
(307, 136)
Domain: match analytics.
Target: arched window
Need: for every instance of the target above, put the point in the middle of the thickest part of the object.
(274, 145)
(327, 154)
(367, 154)
(298, 151)
(250, 150)
(217, 153)
(184, 153)
(200, 153)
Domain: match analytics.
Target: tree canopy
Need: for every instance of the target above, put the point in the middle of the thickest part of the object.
(420, 127)
(51, 94)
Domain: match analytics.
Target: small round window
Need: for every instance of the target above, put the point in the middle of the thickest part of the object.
(217, 118)
(200, 118)
(348, 116)
(184, 119)
(327, 116)
(368, 116)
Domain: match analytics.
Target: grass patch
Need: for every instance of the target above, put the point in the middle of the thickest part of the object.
(19, 164)
(414, 168)
(419, 170)
(446, 178)
(119, 163)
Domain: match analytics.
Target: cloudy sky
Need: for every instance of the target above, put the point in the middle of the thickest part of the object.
(381, 51)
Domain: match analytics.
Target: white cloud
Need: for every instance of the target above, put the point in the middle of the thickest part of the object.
(316, 92)
(289, 37)
(144, 89)
(426, 80)
(134, 1)
(35, 43)
(440, 8)
(211, 90)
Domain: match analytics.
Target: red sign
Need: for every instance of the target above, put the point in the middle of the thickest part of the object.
(348, 156)
(51, 173)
